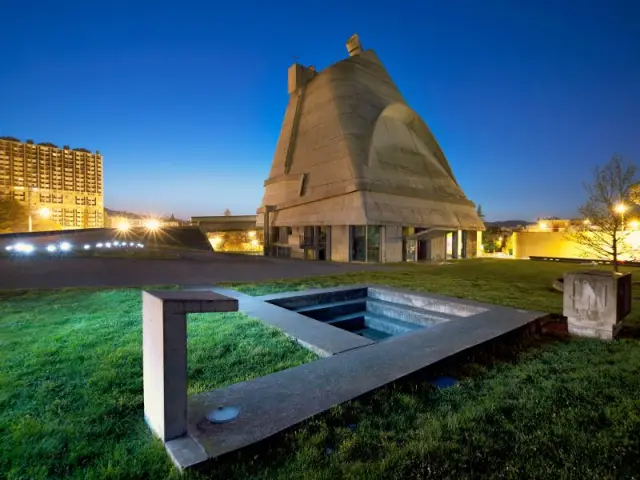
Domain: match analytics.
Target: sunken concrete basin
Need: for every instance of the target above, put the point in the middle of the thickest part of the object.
(367, 336)
(374, 313)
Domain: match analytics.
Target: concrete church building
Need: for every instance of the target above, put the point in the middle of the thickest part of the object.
(358, 176)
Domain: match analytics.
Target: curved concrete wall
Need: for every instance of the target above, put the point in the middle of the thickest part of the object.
(351, 152)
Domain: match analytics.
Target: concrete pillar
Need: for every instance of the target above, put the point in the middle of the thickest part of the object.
(471, 244)
(438, 250)
(464, 242)
(391, 243)
(340, 247)
(164, 352)
(454, 244)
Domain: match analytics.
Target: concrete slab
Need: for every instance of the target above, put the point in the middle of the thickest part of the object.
(281, 400)
(316, 336)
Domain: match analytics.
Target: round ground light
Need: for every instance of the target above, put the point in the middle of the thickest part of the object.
(223, 414)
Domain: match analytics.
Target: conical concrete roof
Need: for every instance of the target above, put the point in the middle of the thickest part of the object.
(352, 152)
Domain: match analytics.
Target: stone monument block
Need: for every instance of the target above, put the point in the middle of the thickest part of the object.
(595, 302)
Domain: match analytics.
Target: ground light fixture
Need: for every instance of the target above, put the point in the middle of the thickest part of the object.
(99, 245)
(8, 248)
(51, 248)
(108, 244)
(87, 247)
(23, 248)
(65, 247)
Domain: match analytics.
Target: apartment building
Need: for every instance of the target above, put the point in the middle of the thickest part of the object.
(62, 184)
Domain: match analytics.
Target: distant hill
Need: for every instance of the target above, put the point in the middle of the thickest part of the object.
(124, 214)
(508, 224)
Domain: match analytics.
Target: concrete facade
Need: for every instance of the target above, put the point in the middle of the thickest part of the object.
(352, 153)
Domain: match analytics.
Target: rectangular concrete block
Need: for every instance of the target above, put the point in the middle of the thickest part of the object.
(164, 348)
(594, 302)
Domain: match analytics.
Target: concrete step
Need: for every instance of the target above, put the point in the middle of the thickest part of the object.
(328, 311)
(425, 302)
(405, 313)
(351, 322)
(295, 300)
(388, 325)
(371, 334)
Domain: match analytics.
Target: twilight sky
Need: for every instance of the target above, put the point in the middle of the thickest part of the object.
(185, 99)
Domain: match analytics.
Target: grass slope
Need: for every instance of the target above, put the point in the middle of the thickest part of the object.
(71, 393)
(71, 384)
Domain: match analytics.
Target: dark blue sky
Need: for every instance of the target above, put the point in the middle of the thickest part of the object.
(185, 99)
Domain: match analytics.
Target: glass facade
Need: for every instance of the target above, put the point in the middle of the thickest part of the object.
(365, 243)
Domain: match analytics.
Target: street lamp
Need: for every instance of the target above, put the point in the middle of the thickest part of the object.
(621, 208)
(152, 224)
(123, 225)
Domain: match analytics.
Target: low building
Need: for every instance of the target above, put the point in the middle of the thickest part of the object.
(358, 176)
(232, 233)
(552, 238)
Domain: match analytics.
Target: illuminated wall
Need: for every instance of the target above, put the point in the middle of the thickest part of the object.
(250, 241)
(63, 182)
(558, 244)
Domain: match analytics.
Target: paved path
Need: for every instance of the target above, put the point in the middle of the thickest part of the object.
(199, 269)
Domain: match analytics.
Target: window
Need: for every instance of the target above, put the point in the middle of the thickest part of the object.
(358, 244)
(365, 243)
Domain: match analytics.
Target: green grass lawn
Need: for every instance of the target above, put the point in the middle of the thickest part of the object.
(71, 392)
(514, 283)
(71, 383)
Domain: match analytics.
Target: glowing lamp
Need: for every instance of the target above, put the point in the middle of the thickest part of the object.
(44, 212)
(123, 225)
(152, 224)
(620, 208)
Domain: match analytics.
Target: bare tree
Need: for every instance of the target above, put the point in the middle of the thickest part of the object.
(227, 213)
(603, 230)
